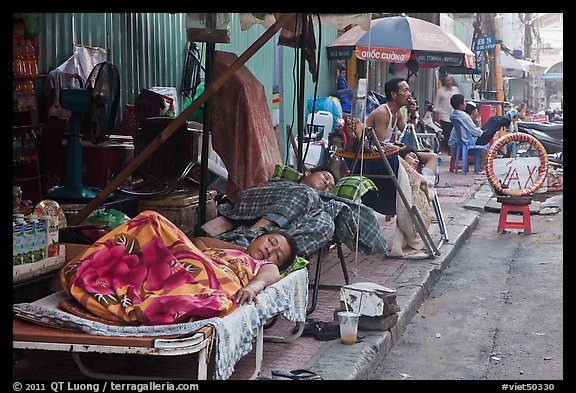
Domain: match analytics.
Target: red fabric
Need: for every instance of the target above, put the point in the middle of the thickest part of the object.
(242, 131)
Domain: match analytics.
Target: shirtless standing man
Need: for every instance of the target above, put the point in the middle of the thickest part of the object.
(388, 118)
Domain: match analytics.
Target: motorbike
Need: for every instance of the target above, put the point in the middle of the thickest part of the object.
(550, 135)
(426, 126)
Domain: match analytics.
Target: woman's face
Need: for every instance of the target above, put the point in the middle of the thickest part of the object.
(412, 160)
(321, 180)
(272, 247)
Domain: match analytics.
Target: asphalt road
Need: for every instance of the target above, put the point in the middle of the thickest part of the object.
(495, 314)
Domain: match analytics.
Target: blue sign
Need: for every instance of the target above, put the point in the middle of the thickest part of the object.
(486, 42)
(479, 60)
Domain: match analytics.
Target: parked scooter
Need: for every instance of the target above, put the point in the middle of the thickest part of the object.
(550, 135)
(425, 125)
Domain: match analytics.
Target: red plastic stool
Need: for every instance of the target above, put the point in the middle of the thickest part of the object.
(515, 205)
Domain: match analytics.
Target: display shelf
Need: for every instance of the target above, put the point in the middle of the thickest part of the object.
(27, 271)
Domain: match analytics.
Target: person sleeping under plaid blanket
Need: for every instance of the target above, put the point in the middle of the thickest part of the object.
(307, 208)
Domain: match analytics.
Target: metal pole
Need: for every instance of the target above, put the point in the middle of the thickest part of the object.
(301, 84)
(206, 132)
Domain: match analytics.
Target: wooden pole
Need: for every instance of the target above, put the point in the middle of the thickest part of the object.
(181, 118)
(499, 81)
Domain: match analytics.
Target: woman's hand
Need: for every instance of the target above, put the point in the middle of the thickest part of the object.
(246, 294)
(267, 275)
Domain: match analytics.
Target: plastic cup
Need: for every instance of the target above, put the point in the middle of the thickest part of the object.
(348, 326)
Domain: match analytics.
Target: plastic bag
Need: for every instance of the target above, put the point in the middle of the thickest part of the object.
(408, 138)
(110, 217)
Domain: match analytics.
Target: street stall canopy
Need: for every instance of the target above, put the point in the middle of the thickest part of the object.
(511, 66)
(398, 39)
(533, 67)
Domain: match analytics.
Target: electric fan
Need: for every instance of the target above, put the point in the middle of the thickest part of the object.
(97, 106)
(105, 82)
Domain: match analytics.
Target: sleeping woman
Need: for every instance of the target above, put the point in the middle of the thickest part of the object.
(147, 272)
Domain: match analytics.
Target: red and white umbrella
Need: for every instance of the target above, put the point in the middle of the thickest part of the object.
(398, 39)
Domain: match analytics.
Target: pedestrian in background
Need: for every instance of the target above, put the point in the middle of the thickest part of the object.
(341, 82)
(443, 109)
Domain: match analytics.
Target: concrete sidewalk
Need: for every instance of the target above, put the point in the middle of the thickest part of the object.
(461, 203)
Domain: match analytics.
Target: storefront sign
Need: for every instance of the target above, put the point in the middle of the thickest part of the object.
(449, 59)
(518, 173)
(391, 55)
(486, 42)
(339, 53)
(539, 119)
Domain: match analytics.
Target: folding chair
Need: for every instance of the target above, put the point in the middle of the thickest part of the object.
(412, 210)
(321, 253)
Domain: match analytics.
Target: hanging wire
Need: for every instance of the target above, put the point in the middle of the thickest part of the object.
(311, 128)
(295, 71)
(363, 136)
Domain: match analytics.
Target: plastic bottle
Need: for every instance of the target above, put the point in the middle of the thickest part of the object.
(51, 235)
(31, 59)
(25, 69)
(18, 156)
(17, 64)
(40, 251)
(30, 98)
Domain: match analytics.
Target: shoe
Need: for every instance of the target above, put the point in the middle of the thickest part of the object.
(327, 331)
(310, 328)
(298, 375)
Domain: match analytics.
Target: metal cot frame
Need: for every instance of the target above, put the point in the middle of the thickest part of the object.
(33, 336)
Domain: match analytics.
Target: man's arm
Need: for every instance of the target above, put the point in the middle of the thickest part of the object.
(436, 106)
(264, 222)
(209, 242)
(469, 124)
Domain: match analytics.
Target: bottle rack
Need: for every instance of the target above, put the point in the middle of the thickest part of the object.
(26, 130)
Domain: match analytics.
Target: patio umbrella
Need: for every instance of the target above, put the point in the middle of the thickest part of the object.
(398, 39)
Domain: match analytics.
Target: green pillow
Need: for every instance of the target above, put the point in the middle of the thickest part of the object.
(287, 173)
(299, 263)
(353, 187)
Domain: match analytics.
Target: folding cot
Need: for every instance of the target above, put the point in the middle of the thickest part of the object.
(41, 325)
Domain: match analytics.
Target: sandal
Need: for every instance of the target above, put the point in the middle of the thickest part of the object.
(298, 375)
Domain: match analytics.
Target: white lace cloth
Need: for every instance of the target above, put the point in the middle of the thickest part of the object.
(288, 298)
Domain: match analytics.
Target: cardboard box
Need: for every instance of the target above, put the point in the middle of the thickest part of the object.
(73, 249)
(367, 299)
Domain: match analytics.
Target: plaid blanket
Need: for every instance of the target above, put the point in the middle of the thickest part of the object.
(315, 217)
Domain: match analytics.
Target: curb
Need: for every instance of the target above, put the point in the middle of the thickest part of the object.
(413, 282)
